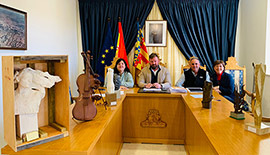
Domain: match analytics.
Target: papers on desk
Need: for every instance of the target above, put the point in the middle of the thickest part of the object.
(122, 92)
(178, 90)
(151, 90)
(195, 89)
(197, 96)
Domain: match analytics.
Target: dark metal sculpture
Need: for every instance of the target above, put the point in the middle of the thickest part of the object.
(239, 105)
(239, 101)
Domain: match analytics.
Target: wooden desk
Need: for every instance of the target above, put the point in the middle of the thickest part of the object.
(203, 131)
(212, 131)
(103, 135)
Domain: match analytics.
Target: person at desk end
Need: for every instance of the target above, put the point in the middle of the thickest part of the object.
(155, 75)
(223, 82)
(193, 77)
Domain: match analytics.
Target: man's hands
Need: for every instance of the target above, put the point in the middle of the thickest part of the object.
(154, 85)
(217, 89)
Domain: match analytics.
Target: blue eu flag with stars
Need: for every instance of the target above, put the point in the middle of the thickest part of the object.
(107, 54)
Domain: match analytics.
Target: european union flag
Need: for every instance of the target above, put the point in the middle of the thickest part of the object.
(107, 54)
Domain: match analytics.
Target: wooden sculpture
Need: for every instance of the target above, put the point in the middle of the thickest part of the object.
(207, 95)
(85, 109)
(257, 126)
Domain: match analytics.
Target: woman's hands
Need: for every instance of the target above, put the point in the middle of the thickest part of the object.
(123, 88)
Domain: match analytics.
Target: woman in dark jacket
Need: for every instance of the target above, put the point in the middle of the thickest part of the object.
(223, 82)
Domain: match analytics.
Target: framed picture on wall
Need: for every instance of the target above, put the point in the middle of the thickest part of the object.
(13, 28)
(155, 32)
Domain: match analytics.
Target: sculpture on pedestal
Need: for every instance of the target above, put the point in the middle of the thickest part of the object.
(257, 126)
(29, 93)
(110, 84)
(238, 105)
(207, 95)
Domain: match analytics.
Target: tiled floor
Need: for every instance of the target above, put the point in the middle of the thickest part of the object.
(152, 149)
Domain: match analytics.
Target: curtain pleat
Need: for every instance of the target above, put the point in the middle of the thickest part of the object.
(94, 15)
(170, 55)
(202, 28)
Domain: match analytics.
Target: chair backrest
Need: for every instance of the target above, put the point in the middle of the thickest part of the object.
(111, 66)
(185, 68)
(238, 73)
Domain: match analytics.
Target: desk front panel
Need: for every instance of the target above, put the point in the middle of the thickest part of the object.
(153, 119)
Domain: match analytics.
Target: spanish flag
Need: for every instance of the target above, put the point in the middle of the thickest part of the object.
(120, 47)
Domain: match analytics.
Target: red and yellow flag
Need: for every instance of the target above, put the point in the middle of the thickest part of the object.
(120, 47)
(141, 57)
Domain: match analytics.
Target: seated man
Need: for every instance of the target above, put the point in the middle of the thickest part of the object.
(155, 76)
(193, 77)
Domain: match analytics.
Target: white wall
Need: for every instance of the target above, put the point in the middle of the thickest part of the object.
(51, 30)
(251, 42)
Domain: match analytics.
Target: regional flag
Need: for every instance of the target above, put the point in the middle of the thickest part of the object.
(120, 47)
(107, 54)
(141, 57)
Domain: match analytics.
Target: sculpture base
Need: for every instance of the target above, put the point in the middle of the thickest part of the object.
(30, 136)
(264, 129)
(207, 105)
(26, 123)
(111, 98)
(238, 116)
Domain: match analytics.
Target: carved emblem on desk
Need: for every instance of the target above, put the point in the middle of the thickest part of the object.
(153, 120)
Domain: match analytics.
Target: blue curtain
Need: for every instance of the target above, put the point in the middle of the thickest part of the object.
(94, 15)
(202, 28)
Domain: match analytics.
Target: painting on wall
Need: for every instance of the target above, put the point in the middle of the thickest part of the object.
(13, 28)
(155, 32)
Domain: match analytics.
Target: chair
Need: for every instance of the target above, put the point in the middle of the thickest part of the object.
(185, 68)
(238, 73)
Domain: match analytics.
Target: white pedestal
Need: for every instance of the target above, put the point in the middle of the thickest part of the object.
(259, 131)
(26, 123)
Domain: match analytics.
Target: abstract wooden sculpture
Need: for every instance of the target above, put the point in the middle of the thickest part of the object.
(257, 126)
(207, 95)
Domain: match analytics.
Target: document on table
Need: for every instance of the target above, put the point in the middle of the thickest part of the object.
(195, 89)
(197, 95)
(151, 90)
(178, 90)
